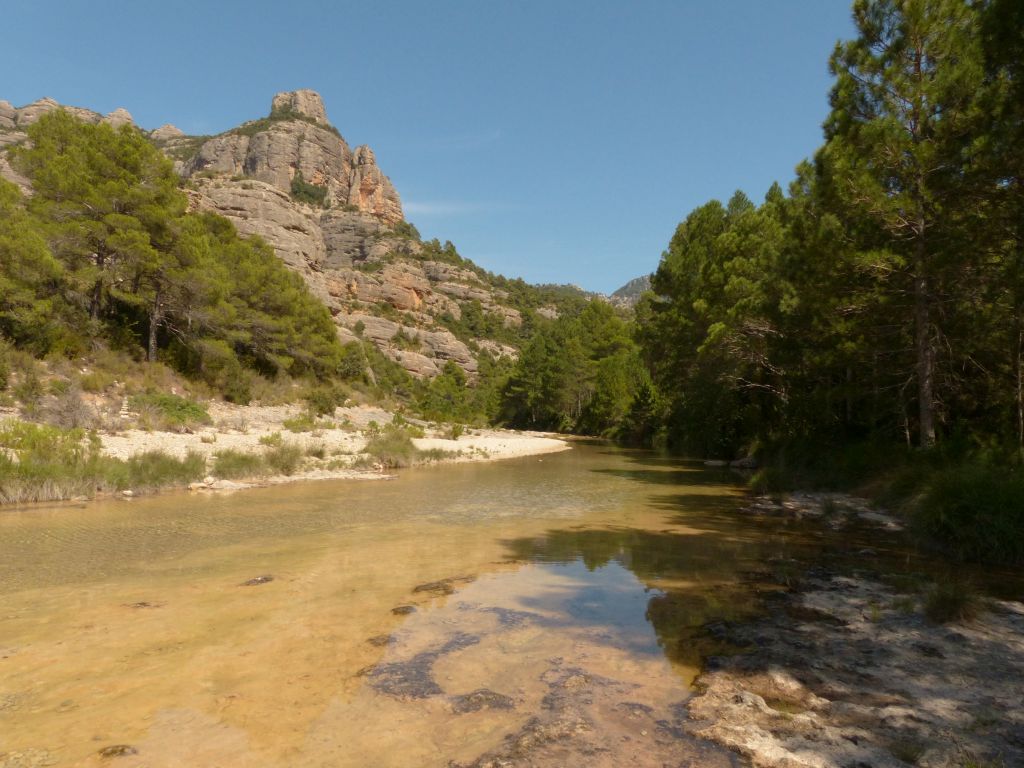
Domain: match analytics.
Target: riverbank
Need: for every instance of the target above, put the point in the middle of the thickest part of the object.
(247, 446)
(847, 669)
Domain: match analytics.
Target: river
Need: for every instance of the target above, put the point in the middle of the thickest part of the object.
(537, 611)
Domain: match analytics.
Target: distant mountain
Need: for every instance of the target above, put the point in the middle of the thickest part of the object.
(629, 294)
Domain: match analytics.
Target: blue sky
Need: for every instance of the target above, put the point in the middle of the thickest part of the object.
(557, 141)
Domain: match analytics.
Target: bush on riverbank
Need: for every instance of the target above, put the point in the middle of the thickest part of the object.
(42, 463)
(232, 464)
(169, 412)
(391, 448)
(975, 511)
(970, 506)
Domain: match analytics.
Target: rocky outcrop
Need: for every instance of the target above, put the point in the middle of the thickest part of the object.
(370, 190)
(119, 117)
(8, 116)
(301, 102)
(258, 208)
(297, 139)
(166, 133)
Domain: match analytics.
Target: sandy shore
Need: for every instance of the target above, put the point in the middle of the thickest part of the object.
(334, 449)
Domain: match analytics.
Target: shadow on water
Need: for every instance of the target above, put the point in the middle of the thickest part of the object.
(710, 563)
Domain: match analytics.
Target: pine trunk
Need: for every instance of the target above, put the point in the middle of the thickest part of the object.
(155, 315)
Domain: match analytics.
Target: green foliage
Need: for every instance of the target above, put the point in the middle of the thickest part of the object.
(392, 447)
(273, 440)
(284, 459)
(579, 373)
(304, 192)
(323, 400)
(952, 600)
(303, 423)
(104, 251)
(974, 511)
(41, 463)
(171, 411)
(233, 464)
(157, 469)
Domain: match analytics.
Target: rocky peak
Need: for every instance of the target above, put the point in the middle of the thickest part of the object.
(301, 102)
(119, 117)
(167, 132)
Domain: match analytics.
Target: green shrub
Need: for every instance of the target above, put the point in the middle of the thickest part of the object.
(157, 469)
(43, 463)
(304, 192)
(96, 381)
(232, 464)
(975, 512)
(317, 451)
(273, 440)
(323, 400)
(284, 459)
(392, 448)
(303, 423)
(951, 600)
(169, 411)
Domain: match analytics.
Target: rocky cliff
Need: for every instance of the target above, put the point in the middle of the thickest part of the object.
(332, 215)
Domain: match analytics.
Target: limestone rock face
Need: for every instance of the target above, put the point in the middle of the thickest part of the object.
(276, 149)
(261, 209)
(371, 190)
(119, 117)
(166, 133)
(32, 112)
(350, 237)
(301, 102)
(8, 115)
(290, 147)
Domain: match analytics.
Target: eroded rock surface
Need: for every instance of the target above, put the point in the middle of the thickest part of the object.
(848, 673)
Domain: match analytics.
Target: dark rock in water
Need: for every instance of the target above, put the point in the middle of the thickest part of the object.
(413, 678)
(257, 580)
(403, 610)
(481, 699)
(143, 604)
(443, 587)
(118, 750)
(380, 640)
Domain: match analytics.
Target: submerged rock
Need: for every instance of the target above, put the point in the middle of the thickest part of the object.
(118, 750)
(257, 580)
(481, 698)
(413, 678)
(403, 610)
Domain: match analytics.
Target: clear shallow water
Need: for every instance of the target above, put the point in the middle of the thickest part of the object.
(572, 585)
